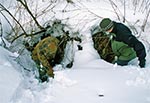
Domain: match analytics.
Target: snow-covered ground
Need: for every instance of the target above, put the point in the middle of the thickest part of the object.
(9, 77)
(90, 80)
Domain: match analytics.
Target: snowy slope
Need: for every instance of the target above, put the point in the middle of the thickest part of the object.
(10, 78)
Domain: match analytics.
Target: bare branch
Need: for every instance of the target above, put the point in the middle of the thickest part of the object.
(1, 34)
(1, 6)
(90, 11)
(27, 8)
(27, 35)
(124, 17)
(8, 21)
(114, 6)
(145, 21)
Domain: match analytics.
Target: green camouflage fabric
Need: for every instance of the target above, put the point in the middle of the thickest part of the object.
(102, 44)
(44, 52)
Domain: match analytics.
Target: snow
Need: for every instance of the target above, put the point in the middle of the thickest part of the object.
(84, 82)
(90, 80)
(9, 77)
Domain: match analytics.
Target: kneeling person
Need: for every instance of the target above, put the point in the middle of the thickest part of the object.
(44, 54)
(125, 45)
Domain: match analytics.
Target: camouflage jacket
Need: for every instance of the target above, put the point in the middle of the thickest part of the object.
(45, 51)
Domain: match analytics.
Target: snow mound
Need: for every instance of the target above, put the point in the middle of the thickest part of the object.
(9, 77)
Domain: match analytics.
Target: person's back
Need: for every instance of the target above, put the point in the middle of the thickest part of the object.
(44, 52)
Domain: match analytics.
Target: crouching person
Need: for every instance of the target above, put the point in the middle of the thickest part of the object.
(124, 45)
(44, 55)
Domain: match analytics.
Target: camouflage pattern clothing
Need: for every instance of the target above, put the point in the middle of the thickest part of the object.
(102, 44)
(44, 53)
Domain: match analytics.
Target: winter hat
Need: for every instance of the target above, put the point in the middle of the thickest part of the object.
(106, 24)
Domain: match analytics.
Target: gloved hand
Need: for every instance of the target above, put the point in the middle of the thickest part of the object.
(80, 47)
(70, 65)
(142, 63)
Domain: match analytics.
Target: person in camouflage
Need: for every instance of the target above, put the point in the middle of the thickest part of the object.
(48, 52)
(124, 45)
(44, 54)
(103, 46)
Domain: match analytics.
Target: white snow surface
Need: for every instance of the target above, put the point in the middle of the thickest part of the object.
(90, 80)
